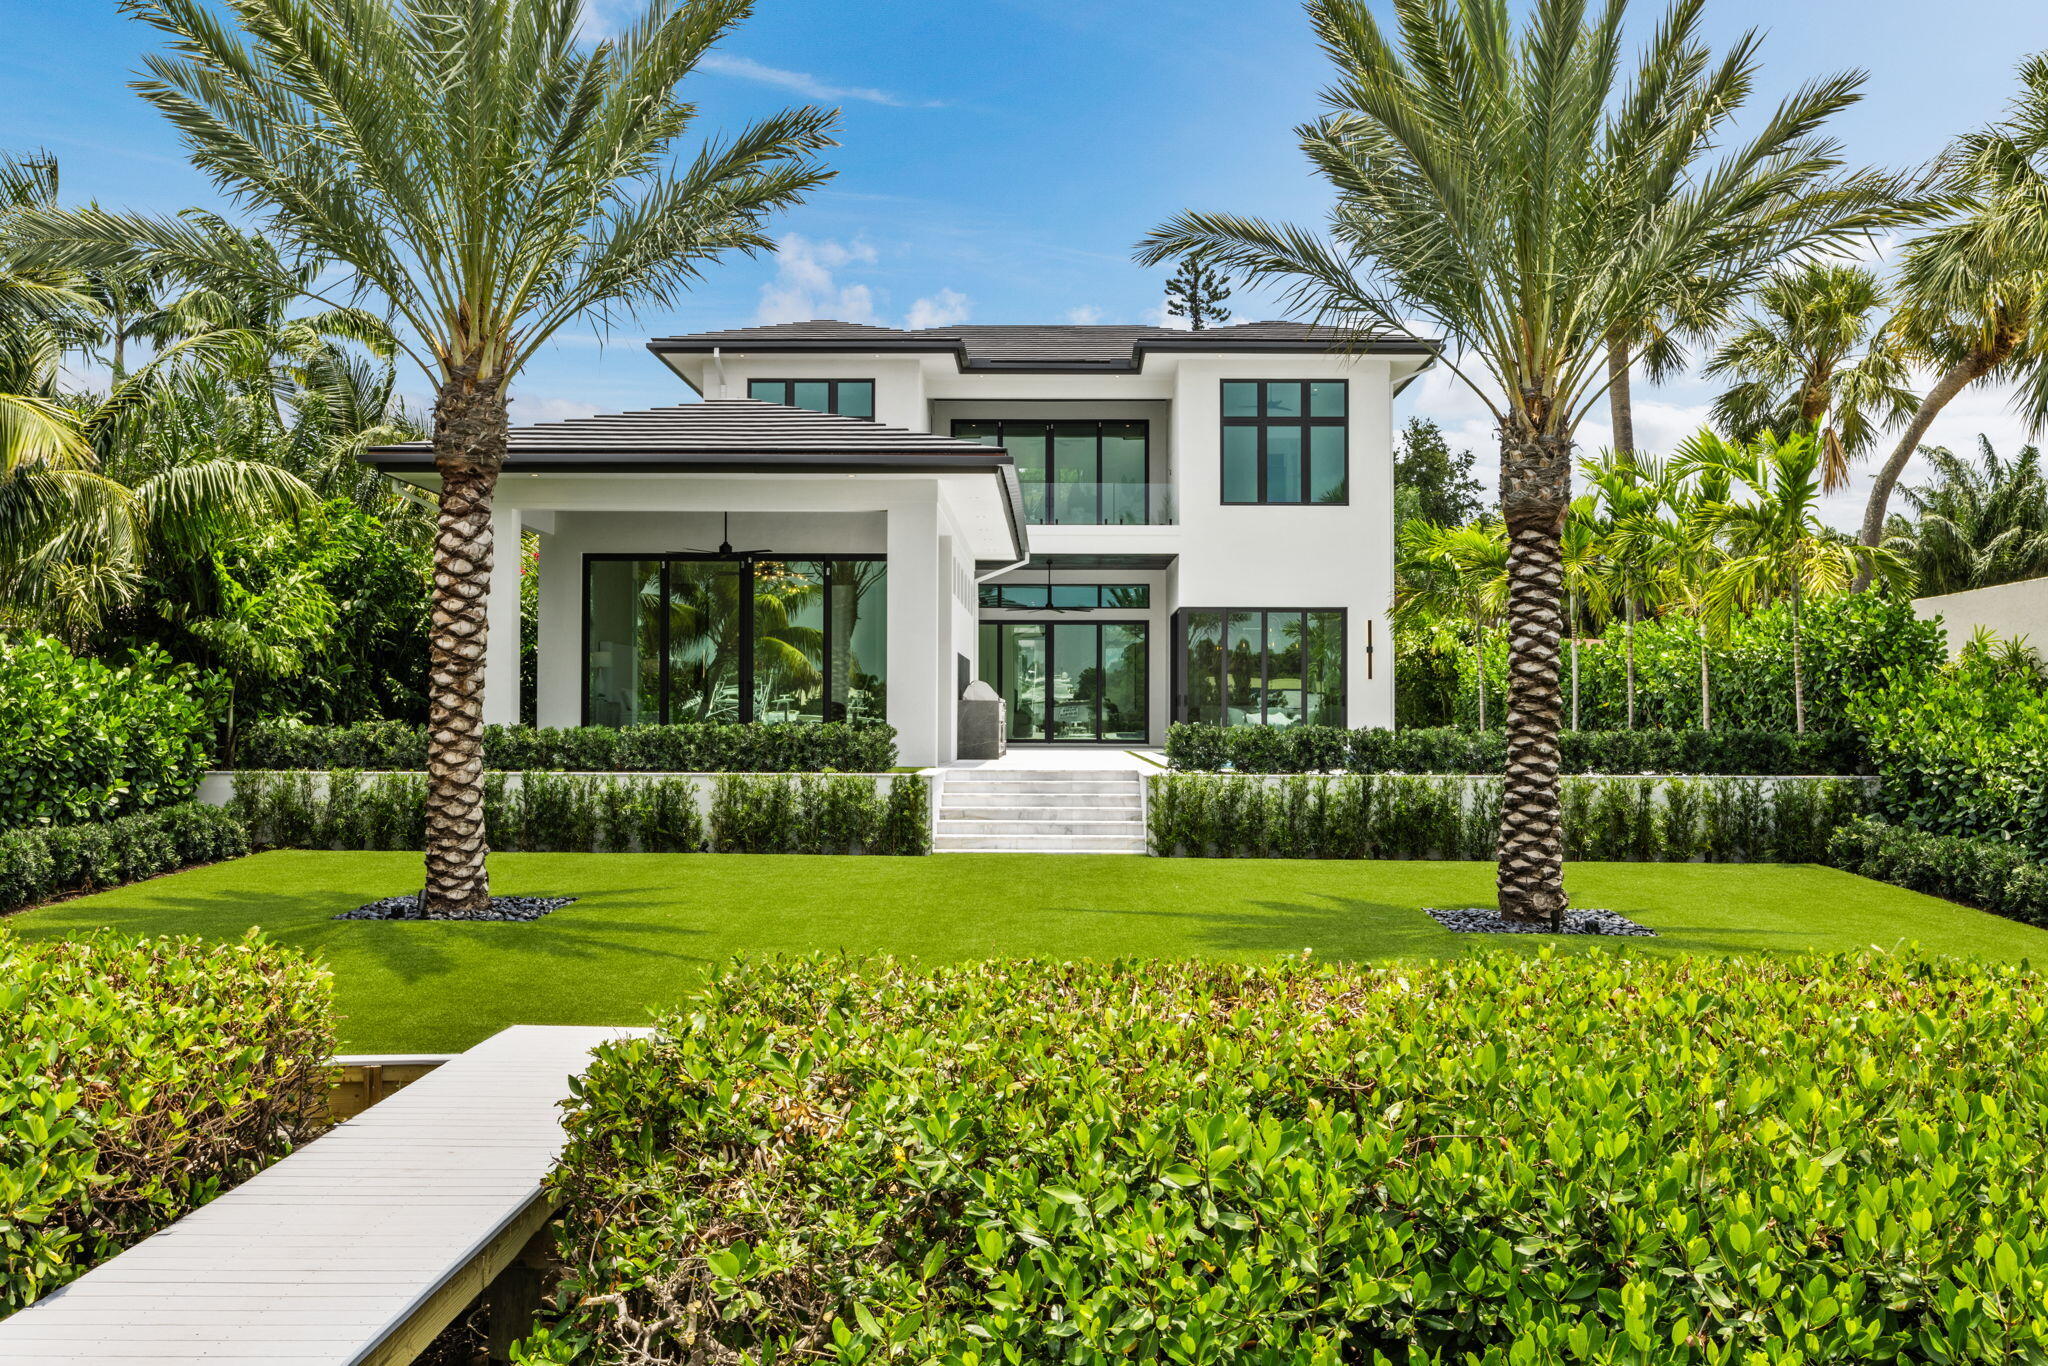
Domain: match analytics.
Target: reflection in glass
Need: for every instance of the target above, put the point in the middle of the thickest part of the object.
(1026, 442)
(622, 680)
(1021, 670)
(857, 398)
(1074, 454)
(1283, 668)
(1077, 680)
(1240, 398)
(1244, 669)
(1278, 668)
(860, 640)
(1283, 399)
(1124, 664)
(1240, 464)
(1326, 465)
(1326, 398)
(1205, 668)
(1324, 700)
(789, 640)
(1123, 474)
(703, 640)
(814, 394)
(1283, 464)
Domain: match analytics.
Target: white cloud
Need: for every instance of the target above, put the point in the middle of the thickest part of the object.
(943, 309)
(804, 83)
(530, 410)
(806, 286)
(1157, 316)
(1084, 315)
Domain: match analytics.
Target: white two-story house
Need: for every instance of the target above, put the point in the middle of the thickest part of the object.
(1117, 527)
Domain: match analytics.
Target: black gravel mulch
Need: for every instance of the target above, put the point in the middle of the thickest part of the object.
(502, 908)
(1488, 920)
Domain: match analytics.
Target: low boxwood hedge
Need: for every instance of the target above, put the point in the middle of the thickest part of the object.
(1508, 1159)
(1656, 820)
(1990, 874)
(42, 862)
(138, 1079)
(764, 747)
(1446, 749)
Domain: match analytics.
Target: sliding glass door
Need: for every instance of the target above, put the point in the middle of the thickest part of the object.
(705, 638)
(1072, 682)
(1260, 667)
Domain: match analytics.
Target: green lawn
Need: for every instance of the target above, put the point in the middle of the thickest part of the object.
(648, 925)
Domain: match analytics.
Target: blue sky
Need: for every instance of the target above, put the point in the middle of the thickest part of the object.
(1000, 157)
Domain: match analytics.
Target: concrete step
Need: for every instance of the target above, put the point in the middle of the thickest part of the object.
(1041, 785)
(1057, 826)
(1025, 844)
(979, 811)
(1005, 797)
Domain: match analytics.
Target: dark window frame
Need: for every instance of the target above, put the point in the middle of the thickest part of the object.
(1265, 423)
(1181, 675)
(1143, 424)
(1100, 590)
(833, 392)
(746, 624)
(1045, 728)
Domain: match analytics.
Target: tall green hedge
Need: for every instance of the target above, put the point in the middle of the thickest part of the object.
(760, 747)
(1503, 1161)
(81, 740)
(1990, 874)
(139, 1079)
(1398, 816)
(1448, 749)
(576, 813)
(43, 862)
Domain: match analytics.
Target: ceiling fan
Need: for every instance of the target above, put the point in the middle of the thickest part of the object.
(725, 546)
(1049, 594)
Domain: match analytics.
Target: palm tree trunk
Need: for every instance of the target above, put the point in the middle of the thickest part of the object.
(1479, 672)
(1620, 399)
(1706, 697)
(470, 430)
(1630, 633)
(1571, 627)
(1798, 667)
(1952, 382)
(1535, 484)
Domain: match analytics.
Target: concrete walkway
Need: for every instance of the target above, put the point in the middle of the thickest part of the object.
(1069, 758)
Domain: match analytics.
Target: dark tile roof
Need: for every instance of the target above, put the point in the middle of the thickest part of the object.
(715, 427)
(1090, 346)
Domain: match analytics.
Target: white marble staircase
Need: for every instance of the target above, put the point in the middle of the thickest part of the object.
(1041, 811)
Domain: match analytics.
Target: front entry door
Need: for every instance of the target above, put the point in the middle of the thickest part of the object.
(1069, 682)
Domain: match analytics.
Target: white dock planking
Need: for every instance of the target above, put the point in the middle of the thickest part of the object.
(353, 1251)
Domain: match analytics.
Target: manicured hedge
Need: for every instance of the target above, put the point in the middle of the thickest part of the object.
(575, 813)
(1601, 1158)
(138, 1079)
(766, 747)
(81, 740)
(1990, 874)
(1448, 749)
(1672, 820)
(42, 862)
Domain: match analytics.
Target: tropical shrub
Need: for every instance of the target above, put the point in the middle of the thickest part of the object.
(1363, 816)
(539, 811)
(1962, 751)
(1850, 639)
(1989, 874)
(1691, 1161)
(760, 747)
(81, 740)
(1448, 749)
(41, 862)
(139, 1079)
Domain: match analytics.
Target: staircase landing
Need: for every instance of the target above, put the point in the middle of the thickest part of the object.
(1006, 808)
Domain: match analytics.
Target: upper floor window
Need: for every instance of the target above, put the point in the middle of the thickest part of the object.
(1066, 596)
(1284, 441)
(1075, 473)
(846, 397)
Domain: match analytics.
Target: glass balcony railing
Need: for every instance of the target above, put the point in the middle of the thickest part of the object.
(1094, 504)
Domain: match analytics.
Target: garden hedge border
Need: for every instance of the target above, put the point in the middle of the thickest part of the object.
(759, 747)
(44, 862)
(1989, 874)
(1449, 749)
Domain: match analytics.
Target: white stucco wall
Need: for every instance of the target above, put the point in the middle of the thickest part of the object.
(2008, 609)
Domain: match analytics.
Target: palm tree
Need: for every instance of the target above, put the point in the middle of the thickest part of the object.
(1776, 546)
(484, 180)
(1975, 290)
(1582, 555)
(1976, 523)
(1511, 186)
(1815, 355)
(1688, 564)
(1457, 574)
(1628, 495)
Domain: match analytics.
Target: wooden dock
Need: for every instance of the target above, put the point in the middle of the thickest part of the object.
(354, 1251)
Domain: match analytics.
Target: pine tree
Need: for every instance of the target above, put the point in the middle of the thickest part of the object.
(1196, 292)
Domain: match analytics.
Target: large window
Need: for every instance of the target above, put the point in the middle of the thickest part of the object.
(846, 397)
(1069, 681)
(1037, 597)
(1284, 441)
(688, 638)
(1073, 473)
(1261, 667)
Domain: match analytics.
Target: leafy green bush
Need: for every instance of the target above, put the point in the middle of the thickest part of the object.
(1849, 639)
(1989, 874)
(1424, 817)
(760, 747)
(1447, 749)
(1962, 750)
(139, 1079)
(577, 813)
(42, 862)
(85, 741)
(1688, 1161)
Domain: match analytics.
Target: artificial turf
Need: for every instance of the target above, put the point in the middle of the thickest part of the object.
(647, 926)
